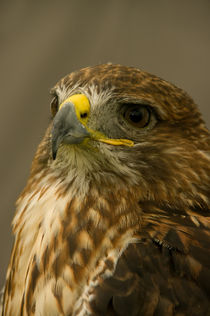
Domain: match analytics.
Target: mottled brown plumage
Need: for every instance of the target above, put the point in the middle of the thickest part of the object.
(107, 228)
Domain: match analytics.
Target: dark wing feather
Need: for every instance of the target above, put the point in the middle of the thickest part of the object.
(161, 277)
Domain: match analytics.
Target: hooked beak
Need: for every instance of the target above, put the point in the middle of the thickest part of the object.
(70, 125)
(67, 129)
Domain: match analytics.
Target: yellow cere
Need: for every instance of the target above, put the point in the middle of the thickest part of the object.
(82, 106)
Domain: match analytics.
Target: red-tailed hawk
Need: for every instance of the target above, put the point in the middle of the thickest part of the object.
(115, 217)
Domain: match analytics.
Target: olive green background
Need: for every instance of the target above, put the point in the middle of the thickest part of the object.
(41, 41)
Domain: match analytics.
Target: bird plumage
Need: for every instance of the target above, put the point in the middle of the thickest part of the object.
(111, 229)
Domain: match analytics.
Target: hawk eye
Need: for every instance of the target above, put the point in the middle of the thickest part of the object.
(54, 105)
(137, 115)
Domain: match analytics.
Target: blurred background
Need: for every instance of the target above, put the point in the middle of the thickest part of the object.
(40, 42)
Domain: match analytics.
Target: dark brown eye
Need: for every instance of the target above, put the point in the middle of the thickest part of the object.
(137, 115)
(54, 105)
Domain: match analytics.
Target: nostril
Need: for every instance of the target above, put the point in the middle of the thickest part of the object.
(83, 115)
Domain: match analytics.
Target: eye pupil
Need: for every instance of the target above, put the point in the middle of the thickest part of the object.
(135, 116)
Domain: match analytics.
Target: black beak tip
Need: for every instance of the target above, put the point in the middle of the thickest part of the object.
(54, 149)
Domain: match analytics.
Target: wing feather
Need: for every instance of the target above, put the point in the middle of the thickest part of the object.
(167, 274)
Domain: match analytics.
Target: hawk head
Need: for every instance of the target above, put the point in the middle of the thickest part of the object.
(119, 125)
